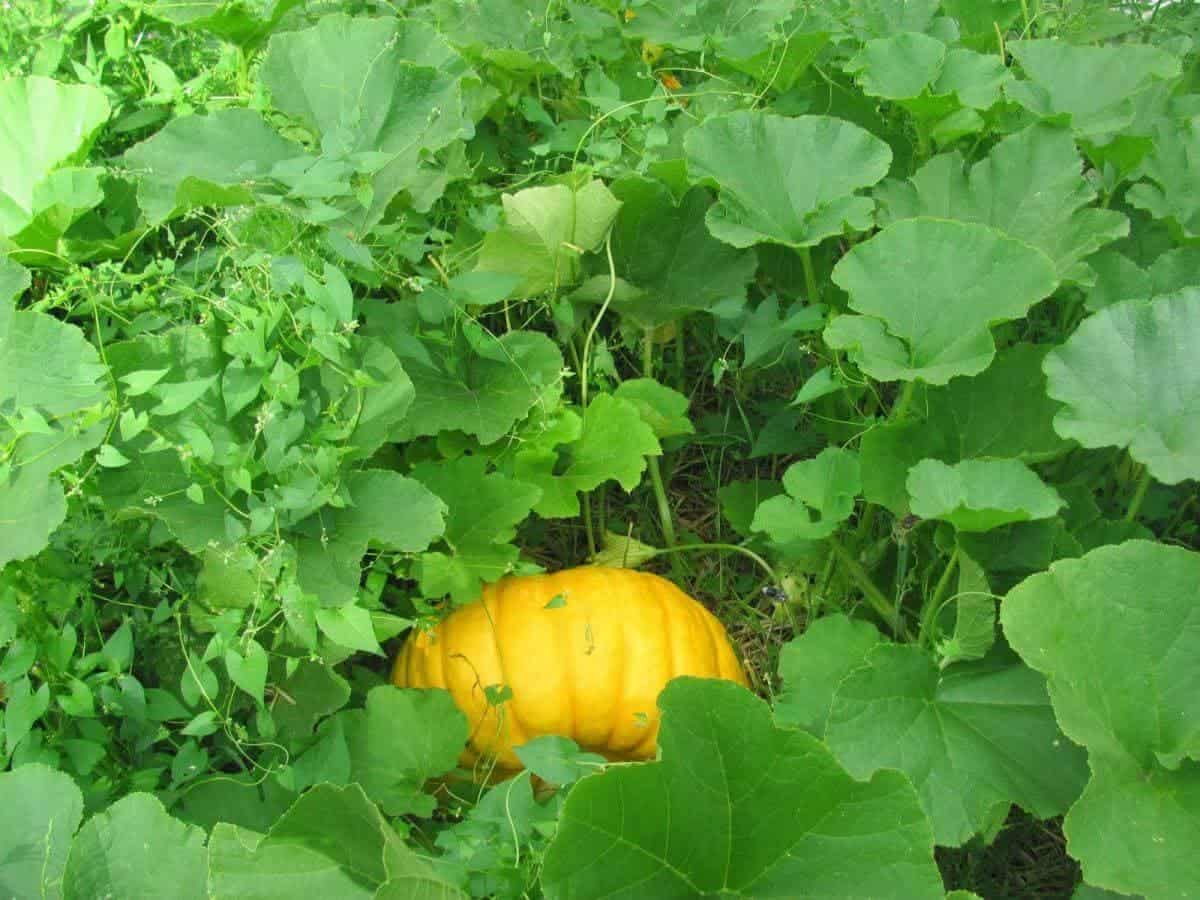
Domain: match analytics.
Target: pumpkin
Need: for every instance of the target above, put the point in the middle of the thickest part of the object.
(585, 653)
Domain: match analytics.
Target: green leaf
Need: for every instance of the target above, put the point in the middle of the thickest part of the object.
(315, 691)
(545, 231)
(333, 842)
(247, 667)
(814, 664)
(691, 825)
(789, 181)
(663, 409)
(1168, 189)
(880, 18)
(1128, 378)
(1068, 623)
(930, 290)
(31, 508)
(768, 331)
(235, 800)
(336, 539)
(329, 75)
(14, 281)
(1136, 832)
(899, 66)
(133, 849)
(612, 445)
(1094, 88)
(970, 737)
(514, 36)
(22, 710)
(222, 159)
(350, 627)
(483, 389)
(48, 372)
(980, 494)
(1002, 413)
(230, 578)
(1115, 634)
(667, 252)
(483, 511)
(245, 22)
(48, 128)
(1029, 186)
(731, 26)
(825, 486)
(40, 809)
(558, 760)
(399, 741)
(974, 607)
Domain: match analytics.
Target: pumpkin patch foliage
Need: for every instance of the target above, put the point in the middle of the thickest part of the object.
(600, 448)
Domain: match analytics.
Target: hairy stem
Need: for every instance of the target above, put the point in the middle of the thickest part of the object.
(933, 603)
(810, 275)
(903, 402)
(731, 548)
(585, 362)
(878, 600)
(1139, 494)
(656, 480)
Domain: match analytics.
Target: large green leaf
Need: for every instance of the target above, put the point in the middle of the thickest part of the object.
(45, 129)
(514, 35)
(222, 159)
(610, 443)
(827, 486)
(980, 494)
(483, 511)
(244, 22)
(52, 411)
(790, 181)
(401, 740)
(1169, 189)
(1094, 88)
(1117, 634)
(1002, 413)
(335, 539)
(814, 664)
(1029, 186)
(354, 83)
(970, 737)
(40, 809)
(543, 232)
(665, 250)
(1137, 832)
(479, 384)
(333, 842)
(930, 289)
(1129, 378)
(1137, 598)
(738, 807)
(732, 27)
(136, 849)
(900, 66)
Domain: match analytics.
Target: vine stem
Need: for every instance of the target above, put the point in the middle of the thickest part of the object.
(732, 548)
(878, 600)
(587, 343)
(656, 479)
(583, 377)
(1139, 494)
(933, 604)
(810, 275)
(903, 401)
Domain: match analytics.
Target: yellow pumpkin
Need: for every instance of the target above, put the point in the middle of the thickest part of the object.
(585, 652)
